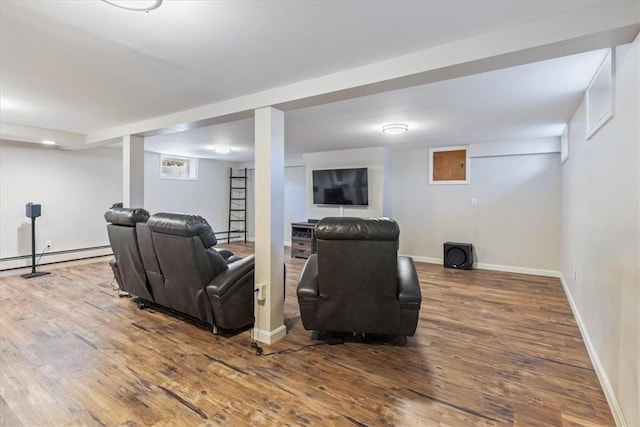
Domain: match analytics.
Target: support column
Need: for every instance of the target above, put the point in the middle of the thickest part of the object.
(269, 222)
(132, 171)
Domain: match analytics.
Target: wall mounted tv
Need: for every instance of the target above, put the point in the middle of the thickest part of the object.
(341, 187)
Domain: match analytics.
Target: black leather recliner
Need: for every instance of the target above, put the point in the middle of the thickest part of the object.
(151, 266)
(357, 282)
(126, 262)
(198, 280)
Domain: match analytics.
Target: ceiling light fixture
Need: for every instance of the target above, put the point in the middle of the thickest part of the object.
(7, 104)
(135, 5)
(395, 128)
(221, 149)
(48, 142)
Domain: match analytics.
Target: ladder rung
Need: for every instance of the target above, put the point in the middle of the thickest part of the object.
(238, 177)
(238, 198)
(238, 188)
(238, 220)
(237, 210)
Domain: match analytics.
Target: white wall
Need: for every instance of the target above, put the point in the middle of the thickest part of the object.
(75, 188)
(294, 200)
(601, 237)
(208, 196)
(516, 223)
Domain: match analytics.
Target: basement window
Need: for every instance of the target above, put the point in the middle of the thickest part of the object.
(599, 96)
(172, 167)
(564, 144)
(449, 165)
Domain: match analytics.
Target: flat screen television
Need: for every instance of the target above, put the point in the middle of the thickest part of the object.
(341, 187)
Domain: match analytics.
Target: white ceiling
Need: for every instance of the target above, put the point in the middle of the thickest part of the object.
(529, 101)
(85, 66)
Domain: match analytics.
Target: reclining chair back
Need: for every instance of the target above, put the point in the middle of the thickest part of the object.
(150, 263)
(358, 275)
(121, 228)
(182, 245)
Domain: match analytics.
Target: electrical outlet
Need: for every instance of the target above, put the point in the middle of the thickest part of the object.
(260, 295)
(48, 244)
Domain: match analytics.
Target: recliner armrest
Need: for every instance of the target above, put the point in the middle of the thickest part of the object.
(226, 280)
(409, 293)
(228, 256)
(308, 284)
(225, 253)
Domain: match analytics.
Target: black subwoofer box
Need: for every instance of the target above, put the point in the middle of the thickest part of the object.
(458, 255)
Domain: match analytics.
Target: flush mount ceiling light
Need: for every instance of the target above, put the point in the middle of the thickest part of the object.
(221, 149)
(135, 5)
(48, 142)
(395, 128)
(7, 104)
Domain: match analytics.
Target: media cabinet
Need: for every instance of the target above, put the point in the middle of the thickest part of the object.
(303, 239)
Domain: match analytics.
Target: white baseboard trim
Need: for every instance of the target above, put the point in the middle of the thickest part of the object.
(52, 267)
(253, 240)
(618, 416)
(495, 267)
(269, 337)
(427, 259)
(54, 258)
(516, 269)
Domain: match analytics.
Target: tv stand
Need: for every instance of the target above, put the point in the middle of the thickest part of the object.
(303, 239)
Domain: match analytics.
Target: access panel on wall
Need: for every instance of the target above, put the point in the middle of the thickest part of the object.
(449, 165)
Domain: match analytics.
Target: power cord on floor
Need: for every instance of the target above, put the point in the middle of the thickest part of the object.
(116, 287)
(260, 351)
(40, 257)
(254, 344)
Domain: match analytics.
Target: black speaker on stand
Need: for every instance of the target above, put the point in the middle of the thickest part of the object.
(33, 211)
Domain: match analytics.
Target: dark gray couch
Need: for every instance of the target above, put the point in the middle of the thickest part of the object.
(357, 282)
(126, 262)
(198, 280)
(168, 259)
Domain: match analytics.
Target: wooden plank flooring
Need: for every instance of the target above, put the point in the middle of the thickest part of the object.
(491, 349)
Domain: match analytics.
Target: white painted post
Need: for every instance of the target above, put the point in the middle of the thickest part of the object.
(132, 171)
(269, 224)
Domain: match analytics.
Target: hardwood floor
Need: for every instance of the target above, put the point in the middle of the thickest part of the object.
(491, 349)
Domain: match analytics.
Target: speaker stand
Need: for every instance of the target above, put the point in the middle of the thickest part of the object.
(33, 255)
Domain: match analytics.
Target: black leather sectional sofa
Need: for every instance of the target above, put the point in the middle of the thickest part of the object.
(169, 259)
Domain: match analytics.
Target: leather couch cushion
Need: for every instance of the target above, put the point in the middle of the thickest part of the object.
(126, 216)
(338, 228)
(217, 261)
(185, 225)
